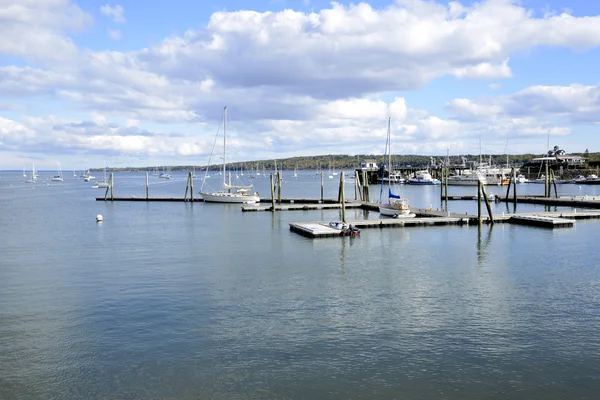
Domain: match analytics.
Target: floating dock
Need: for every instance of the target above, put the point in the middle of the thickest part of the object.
(543, 219)
(563, 201)
(300, 207)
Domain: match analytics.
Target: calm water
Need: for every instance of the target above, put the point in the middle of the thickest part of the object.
(190, 301)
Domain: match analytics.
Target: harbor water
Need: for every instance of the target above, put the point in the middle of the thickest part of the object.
(203, 301)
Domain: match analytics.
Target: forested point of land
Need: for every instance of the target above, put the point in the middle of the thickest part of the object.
(338, 162)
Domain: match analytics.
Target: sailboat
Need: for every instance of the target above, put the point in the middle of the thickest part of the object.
(58, 177)
(397, 206)
(33, 178)
(101, 184)
(229, 193)
(296, 171)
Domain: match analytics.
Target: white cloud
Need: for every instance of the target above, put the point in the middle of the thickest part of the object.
(114, 34)
(485, 71)
(35, 29)
(570, 104)
(115, 12)
(295, 82)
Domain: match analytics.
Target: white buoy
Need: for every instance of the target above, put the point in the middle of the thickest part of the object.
(99, 218)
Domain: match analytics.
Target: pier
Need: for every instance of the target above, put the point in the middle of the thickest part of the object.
(540, 219)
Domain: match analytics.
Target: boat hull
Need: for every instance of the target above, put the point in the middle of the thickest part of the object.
(390, 212)
(424, 182)
(224, 197)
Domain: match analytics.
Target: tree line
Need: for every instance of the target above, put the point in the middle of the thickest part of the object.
(343, 161)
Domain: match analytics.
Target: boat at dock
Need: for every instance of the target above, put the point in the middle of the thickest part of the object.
(229, 193)
(469, 179)
(396, 207)
(423, 178)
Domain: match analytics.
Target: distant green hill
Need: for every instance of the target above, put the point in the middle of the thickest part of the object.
(337, 162)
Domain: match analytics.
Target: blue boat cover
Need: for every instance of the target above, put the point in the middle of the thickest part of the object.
(392, 195)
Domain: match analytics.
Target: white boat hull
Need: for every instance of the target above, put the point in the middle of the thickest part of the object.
(390, 212)
(224, 197)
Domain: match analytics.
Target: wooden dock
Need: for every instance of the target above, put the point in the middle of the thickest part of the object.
(564, 201)
(300, 207)
(153, 199)
(541, 219)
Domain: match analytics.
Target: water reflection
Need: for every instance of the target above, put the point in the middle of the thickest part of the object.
(482, 245)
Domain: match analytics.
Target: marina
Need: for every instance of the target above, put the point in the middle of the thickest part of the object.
(174, 276)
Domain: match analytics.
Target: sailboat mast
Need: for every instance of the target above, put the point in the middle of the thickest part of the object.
(224, 144)
(389, 148)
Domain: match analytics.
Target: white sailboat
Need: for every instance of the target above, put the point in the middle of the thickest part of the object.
(33, 178)
(101, 184)
(229, 193)
(296, 171)
(397, 206)
(59, 176)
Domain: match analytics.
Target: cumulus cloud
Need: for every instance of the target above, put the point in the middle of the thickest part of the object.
(296, 82)
(35, 29)
(570, 104)
(116, 12)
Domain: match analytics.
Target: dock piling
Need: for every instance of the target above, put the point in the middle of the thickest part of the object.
(479, 202)
(487, 204)
(342, 197)
(279, 187)
(146, 185)
(322, 187)
(272, 193)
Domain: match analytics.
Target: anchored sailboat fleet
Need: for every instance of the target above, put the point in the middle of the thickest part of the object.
(229, 193)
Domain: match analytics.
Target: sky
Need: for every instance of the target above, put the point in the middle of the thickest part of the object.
(136, 83)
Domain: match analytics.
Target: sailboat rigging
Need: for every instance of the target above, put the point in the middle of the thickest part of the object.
(229, 193)
(397, 206)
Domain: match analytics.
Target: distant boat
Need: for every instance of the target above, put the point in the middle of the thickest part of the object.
(59, 176)
(33, 178)
(296, 171)
(470, 179)
(228, 192)
(101, 184)
(423, 178)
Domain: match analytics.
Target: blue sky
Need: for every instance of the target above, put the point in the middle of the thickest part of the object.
(144, 83)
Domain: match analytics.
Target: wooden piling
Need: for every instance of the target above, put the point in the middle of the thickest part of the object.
(146, 185)
(355, 185)
(111, 185)
(442, 185)
(514, 186)
(358, 185)
(366, 196)
(279, 187)
(554, 184)
(322, 187)
(187, 186)
(272, 193)
(487, 204)
(192, 186)
(339, 199)
(479, 201)
(446, 182)
(510, 181)
(546, 182)
(343, 197)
